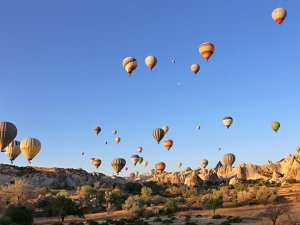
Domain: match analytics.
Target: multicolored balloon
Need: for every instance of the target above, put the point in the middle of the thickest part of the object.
(129, 64)
(206, 49)
(160, 167)
(227, 121)
(134, 159)
(151, 61)
(158, 134)
(118, 164)
(168, 144)
(279, 15)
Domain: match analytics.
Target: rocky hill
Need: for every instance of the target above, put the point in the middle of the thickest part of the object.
(58, 178)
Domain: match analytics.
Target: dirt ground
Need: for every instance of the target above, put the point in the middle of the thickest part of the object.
(248, 213)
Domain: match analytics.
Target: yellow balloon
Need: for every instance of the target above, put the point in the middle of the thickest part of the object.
(30, 147)
(206, 50)
(129, 64)
(117, 139)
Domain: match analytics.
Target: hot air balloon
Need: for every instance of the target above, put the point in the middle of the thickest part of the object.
(165, 129)
(220, 148)
(140, 149)
(168, 144)
(229, 159)
(126, 168)
(12, 151)
(134, 159)
(132, 175)
(145, 163)
(227, 121)
(179, 164)
(206, 50)
(30, 147)
(92, 159)
(158, 134)
(114, 132)
(97, 130)
(198, 127)
(195, 68)
(117, 140)
(204, 163)
(82, 153)
(8, 132)
(118, 164)
(275, 126)
(278, 15)
(129, 64)
(106, 142)
(96, 163)
(173, 61)
(151, 61)
(141, 159)
(298, 149)
(160, 167)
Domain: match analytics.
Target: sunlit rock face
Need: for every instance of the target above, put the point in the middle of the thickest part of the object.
(59, 178)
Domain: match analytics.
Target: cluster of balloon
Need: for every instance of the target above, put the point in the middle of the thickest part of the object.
(278, 15)
(29, 147)
(130, 63)
(160, 167)
(227, 121)
(118, 164)
(275, 126)
(96, 162)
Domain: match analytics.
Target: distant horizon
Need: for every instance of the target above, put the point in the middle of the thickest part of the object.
(61, 74)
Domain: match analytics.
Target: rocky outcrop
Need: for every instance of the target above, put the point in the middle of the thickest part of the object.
(59, 178)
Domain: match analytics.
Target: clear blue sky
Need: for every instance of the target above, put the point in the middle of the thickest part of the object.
(61, 75)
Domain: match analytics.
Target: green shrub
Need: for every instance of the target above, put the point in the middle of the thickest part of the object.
(235, 220)
(187, 218)
(291, 181)
(93, 222)
(225, 223)
(170, 207)
(190, 223)
(198, 216)
(19, 214)
(167, 221)
(157, 219)
(147, 214)
(58, 223)
(217, 216)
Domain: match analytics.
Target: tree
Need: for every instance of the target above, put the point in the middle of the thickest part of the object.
(62, 206)
(276, 209)
(213, 203)
(146, 193)
(134, 205)
(113, 199)
(90, 196)
(19, 215)
(18, 192)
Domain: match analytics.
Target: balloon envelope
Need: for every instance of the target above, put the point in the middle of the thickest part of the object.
(158, 134)
(97, 130)
(229, 159)
(12, 151)
(279, 15)
(117, 140)
(134, 159)
(30, 147)
(195, 68)
(275, 126)
(160, 167)
(204, 163)
(168, 144)
(165, 129)
(118, 164)
(227, 121)
(151, 61)
(129, 64)
(8, 132)
(96, 163)
(140, 149)
(206, 49)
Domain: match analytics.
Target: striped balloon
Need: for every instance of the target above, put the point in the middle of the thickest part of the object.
(129, 64)
(8, 132)
(12, 151)
(206, 50)
(118, 164)
(195, 68)
(158, 134)
(278, 15)
(30, 147)
(168, 144)
(229, 159)
(151, 61)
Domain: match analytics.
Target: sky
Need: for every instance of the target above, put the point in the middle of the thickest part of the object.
(61, 75)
